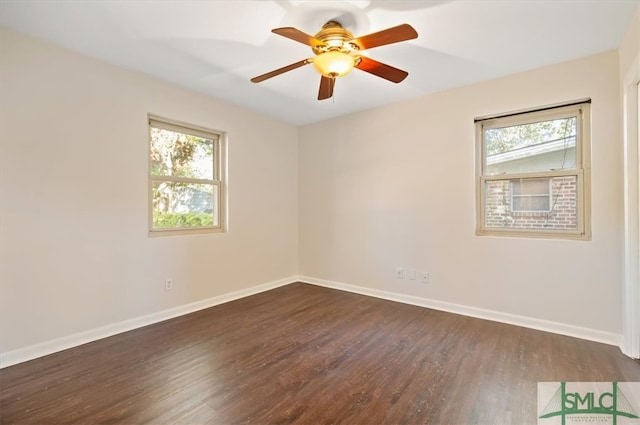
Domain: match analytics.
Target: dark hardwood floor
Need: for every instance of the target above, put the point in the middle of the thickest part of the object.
(306, 355)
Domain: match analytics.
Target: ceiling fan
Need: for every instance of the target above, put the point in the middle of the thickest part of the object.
(338, 52)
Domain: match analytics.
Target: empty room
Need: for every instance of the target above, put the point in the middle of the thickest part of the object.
(319, 212)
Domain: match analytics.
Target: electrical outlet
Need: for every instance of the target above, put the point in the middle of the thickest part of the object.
(168, 284)
(399, 273)
(425, 277)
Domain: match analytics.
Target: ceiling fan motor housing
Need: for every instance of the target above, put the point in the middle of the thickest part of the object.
(336, 38)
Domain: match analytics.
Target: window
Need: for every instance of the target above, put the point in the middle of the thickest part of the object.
(533, 173)
(185, 178)
(530, 195)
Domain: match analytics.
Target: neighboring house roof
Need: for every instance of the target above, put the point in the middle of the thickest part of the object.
(533, 150)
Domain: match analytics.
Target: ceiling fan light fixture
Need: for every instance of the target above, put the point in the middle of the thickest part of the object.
(334, 64)
(337, 53)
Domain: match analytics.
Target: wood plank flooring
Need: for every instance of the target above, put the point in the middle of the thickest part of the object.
(302, 354)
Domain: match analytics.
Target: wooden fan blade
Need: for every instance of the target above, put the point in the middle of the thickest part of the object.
(326, 87)
(279, 71)
(381, 70)
(390, 35)
(299, 36)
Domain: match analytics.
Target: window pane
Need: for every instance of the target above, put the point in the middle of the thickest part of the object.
(530, 186)
(177, 205)
(530, 203)
(503, 210)
(540, 146)
(181, 155)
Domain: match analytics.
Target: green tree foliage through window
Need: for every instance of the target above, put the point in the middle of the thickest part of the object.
(506, 139)
(180, 155)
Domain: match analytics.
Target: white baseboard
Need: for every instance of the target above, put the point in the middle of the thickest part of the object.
(49, 347)
(496, 316)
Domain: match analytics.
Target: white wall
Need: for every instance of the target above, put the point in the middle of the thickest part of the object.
(629, 78)
(630, 45)
(395, 186)
(75, 254)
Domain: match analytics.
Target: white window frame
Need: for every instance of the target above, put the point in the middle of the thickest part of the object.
(219, 170)
(582, 111)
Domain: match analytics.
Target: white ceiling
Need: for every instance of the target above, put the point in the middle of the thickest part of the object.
(215, 47)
